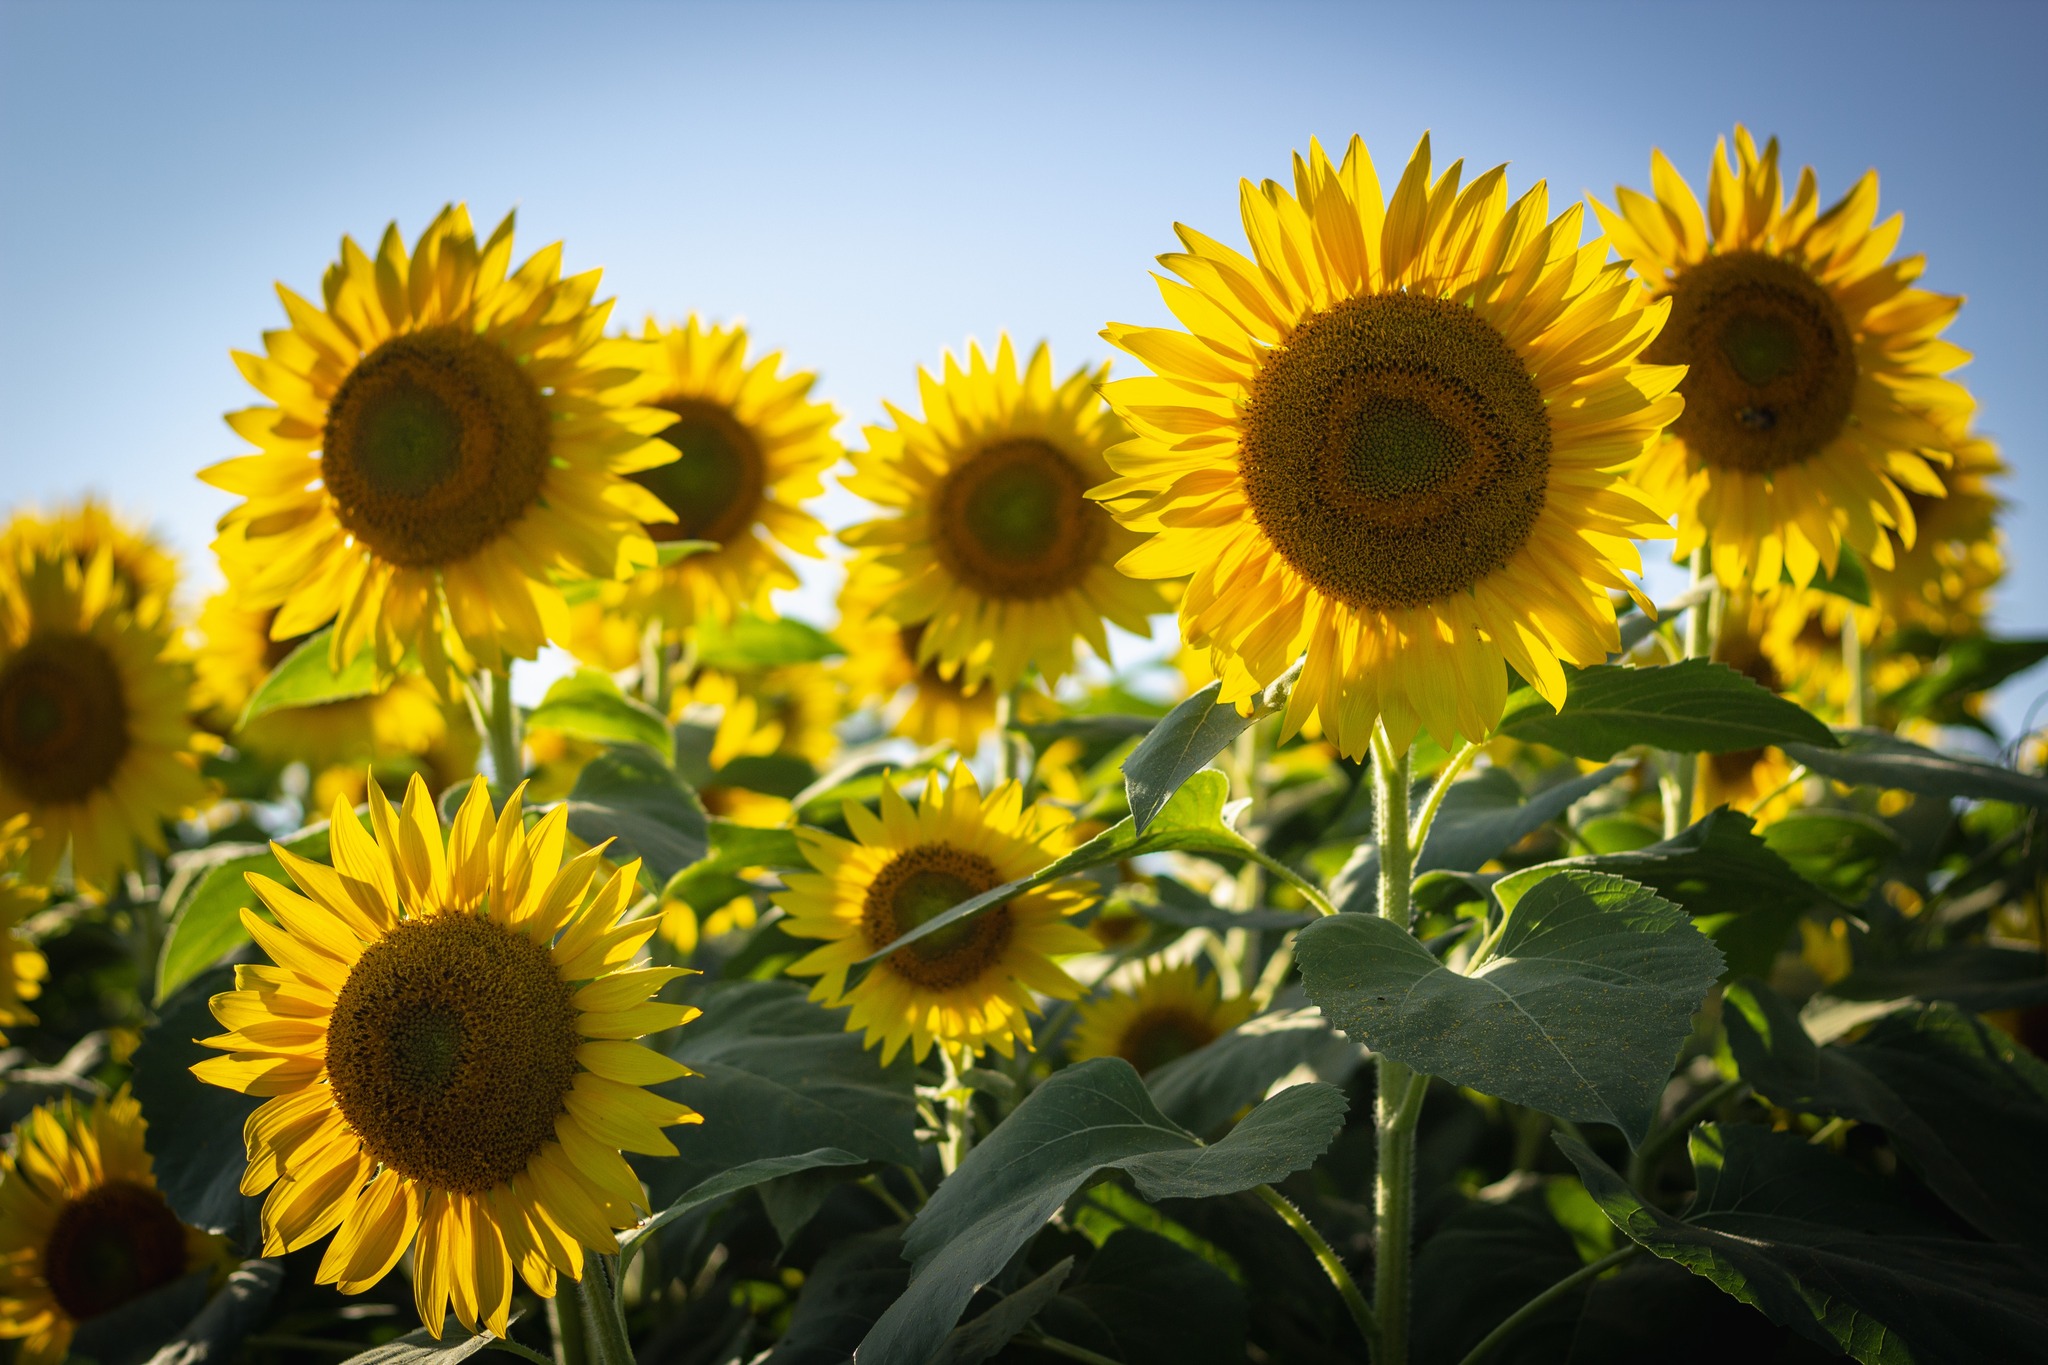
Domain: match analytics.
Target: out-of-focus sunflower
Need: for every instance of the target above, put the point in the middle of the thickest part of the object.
(1815, 399)
(965, 988)
(444, 1050)
(752, 448)
(881, 666)
(1166, 1012)
(145, 573)
(23, 969)
(1767, 641)
(83, 1229)
(236, 652)
(1941, 579)
(95, 742)
(448, 435)
(1395, 442)
(991, 544)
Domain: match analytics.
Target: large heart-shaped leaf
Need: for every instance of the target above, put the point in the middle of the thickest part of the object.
(1962, 1104)
(629, 795)
(1579, 1010)
(1088, 1118)
(205, 899)
(1875, 758)
(1690, 707)
(304, 678)
(1798, 1234)
(588, 705)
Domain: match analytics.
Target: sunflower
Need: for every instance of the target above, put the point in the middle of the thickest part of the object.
(444, 1050)
(446, 436)
(1814, 399)
(83, 1229)
(1941, 579)
(236, 652)
(23, 969)
(145, 573)
(882, 666)
(1778, 642)
(966, 988)
(1167, 1012)
(1395, 442)
(993, 548)
(95, 744)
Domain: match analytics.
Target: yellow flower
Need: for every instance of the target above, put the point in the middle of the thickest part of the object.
(145, 573)
(95, 744)
(443, 1045)
(1167, 1012)
(23, 969)
(882, 666)
(447, 435)
(1940, 580)
(236, 653)
(1394, 442)
(1815, 400)
(82, 1227)
(992, 546)
(789, 709)
(966, 988)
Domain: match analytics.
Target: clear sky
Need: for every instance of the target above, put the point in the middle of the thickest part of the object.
(868, 184)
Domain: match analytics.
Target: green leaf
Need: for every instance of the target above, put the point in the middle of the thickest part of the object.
(629, 795)
(195, 1129)
(1207, 1089)
(1086, 1119)
(1972, 976)
(1965, 668)
(713, 880)
(1142, 1300)
(304, 679)
(1873, 758)
(1191, 821)
(206, 897)
(1962, 1104)
(779, 1077)
(1840, 851)
(1481, 1264)
(1689, 707)
(842, 1296)
(1579, 1010)
(750, 643)
(1737, 888)
(1798, 1234)
(1177, 748)
(744, 1176)
(670, 552)
(589, 705)
(976, 1340)
(230, 1315)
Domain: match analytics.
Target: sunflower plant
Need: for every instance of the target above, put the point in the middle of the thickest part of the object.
(1427, 948)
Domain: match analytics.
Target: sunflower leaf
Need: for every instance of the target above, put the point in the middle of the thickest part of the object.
(304, 678)
(1088, 1118)
(1579, 1010)
(194, 1136)
(1190, 821)
(1691, 707)
(751, 643)
(629, 795)
(714, 879)
(206, 897)
(1185, 742)
(1874, 758)
(588, 705)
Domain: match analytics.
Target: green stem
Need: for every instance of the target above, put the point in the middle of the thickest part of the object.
(874, 1186)
(1643, 1164)
(1006, 708)
(1852, 664)
(956, 1115)
(1546, 1298)
(1055, 1346)
(1326, 1257)
(604, 1317)
(1680, 791)
(502, 732)
(565, 1320)
(500, 1344)
(1308, 889)
(1399, 1106)
(1390, 822)
(1460, 761)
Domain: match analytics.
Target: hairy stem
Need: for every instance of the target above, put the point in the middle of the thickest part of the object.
(1326, 1257)
(1399, 1106)
(604, 1316)
(1426, 817)
(501, 730)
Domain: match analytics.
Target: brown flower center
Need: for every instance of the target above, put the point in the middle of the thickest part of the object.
(1772, 365)
(715, 485)
(1159, 1035)
(63, 717)
(918, 885)
(114, 1243)
(452, 1044)
(1395, 450)
(436, 443)
(1011, 522)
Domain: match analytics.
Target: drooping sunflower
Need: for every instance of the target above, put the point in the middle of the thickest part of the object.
(83, 1229)
(1815, 398)
(1395, 442)
(23, 969)
(751, 449)
(965, 988)
(1166, 1012)
(444, 1048)
(96, 747)
(145, 572)
(236, 652)
(448, 434)
(992, 546)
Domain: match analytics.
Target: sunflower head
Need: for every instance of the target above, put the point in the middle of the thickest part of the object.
(23, 969)
(145, 574)
(1941, 580)
(990, 543)
(882, 667)
(83, 1229)
(965, 988)
(1815, 396)
(1165, 1012)
(1392, 440)
(95, 747)
(445, 435)
(443, 1043)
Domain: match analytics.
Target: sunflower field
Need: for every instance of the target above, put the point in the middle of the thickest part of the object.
(1438, 951)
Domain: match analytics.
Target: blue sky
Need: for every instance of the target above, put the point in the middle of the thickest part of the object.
(868, 184)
